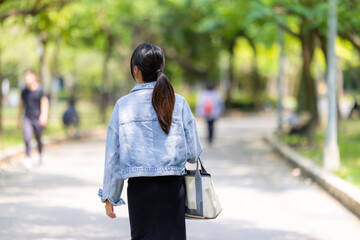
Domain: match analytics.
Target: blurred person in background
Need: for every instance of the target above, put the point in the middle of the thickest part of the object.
(71, 118)
(355, 110)
(210, 106)
(151, 135)
(36, 105)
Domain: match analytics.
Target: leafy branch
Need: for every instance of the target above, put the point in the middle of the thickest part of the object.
(34, 10)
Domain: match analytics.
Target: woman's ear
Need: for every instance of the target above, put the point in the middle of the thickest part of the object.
(136, 70)
(137, 75)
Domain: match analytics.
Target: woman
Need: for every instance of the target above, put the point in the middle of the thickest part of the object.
(36, 105)
(151, 135)
(210, 106)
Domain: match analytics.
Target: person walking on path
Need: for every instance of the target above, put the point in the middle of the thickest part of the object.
(71, 118)
(210, 106)
(151, 135)
(36, 105)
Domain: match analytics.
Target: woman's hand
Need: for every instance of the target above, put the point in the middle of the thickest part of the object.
(44, 111)
(109, 209)
(43, 120)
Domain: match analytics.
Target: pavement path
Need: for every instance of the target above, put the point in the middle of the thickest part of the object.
(261, 197)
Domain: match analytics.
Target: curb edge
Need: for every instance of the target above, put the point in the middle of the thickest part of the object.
(347, 194)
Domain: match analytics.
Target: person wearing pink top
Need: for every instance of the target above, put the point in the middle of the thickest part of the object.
(210, 106)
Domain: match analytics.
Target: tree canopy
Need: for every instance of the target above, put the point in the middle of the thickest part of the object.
(231, 42)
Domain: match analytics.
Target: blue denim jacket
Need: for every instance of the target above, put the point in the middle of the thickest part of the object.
(137, 146)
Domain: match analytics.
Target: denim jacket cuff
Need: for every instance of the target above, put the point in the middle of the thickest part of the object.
(103, 199)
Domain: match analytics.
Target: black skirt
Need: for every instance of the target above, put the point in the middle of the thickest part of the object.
(156, 208)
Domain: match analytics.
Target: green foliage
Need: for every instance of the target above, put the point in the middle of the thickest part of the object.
(352, 79)
(193, 34)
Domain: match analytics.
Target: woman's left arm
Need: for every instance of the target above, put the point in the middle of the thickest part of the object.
(44, 111)
(193, 145)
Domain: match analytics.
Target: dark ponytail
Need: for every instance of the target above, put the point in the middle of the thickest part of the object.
(163, 101)
(151, 61)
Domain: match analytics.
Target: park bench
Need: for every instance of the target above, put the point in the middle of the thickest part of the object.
(302, 125)
(298, 127)
(355, 110)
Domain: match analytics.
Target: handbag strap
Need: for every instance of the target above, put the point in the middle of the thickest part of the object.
(201, 165)
(198, 187)
(199, 211)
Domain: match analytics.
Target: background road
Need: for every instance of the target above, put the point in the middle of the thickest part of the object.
(261, 197)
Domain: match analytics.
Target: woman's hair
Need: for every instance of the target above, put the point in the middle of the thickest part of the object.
(210, 85)
(150, 60)
(31, 71)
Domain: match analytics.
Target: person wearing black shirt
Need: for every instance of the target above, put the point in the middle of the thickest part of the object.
(36, 105)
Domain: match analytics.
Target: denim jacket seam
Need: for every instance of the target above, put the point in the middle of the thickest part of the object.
(140, 120)
(117, 155)
(116, 120)
(151, 169)
(146, 120)
(113, 130)
(188, 122)
(189, 138)
(183, 113)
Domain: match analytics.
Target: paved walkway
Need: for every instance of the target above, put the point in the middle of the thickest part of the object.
(260, 196)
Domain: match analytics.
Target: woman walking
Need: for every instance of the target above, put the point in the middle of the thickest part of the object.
(151, 135)
(36, 105)
(210, 106)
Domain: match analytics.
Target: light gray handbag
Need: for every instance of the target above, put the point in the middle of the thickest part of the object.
(201, 201)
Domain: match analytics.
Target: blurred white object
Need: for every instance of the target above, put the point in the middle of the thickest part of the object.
(28, 163)
(345, 105)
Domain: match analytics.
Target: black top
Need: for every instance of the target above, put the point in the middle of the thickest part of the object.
(32, 101)
(70, 116)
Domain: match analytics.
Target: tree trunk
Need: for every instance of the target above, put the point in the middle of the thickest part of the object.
(1, 98)
(256, 86)
(54, 67)
(307, 96)
(42, 54)
(105, 76)
(323, 46)
(231, 84)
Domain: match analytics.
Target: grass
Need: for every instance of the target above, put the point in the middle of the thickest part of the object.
(349, 147)
(88, 113)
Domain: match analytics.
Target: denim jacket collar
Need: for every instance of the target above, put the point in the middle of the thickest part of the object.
(148, 85)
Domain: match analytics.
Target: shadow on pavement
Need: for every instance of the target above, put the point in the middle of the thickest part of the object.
(215, 230)
(34, 221)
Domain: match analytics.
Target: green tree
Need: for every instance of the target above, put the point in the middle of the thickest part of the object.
(192, 50)
(100, 26)
(310, 25)
(227, 21)
(349, 22)
(47, 27)
(17, 9)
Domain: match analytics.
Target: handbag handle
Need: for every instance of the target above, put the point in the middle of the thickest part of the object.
(201, 165)
(202, 169)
